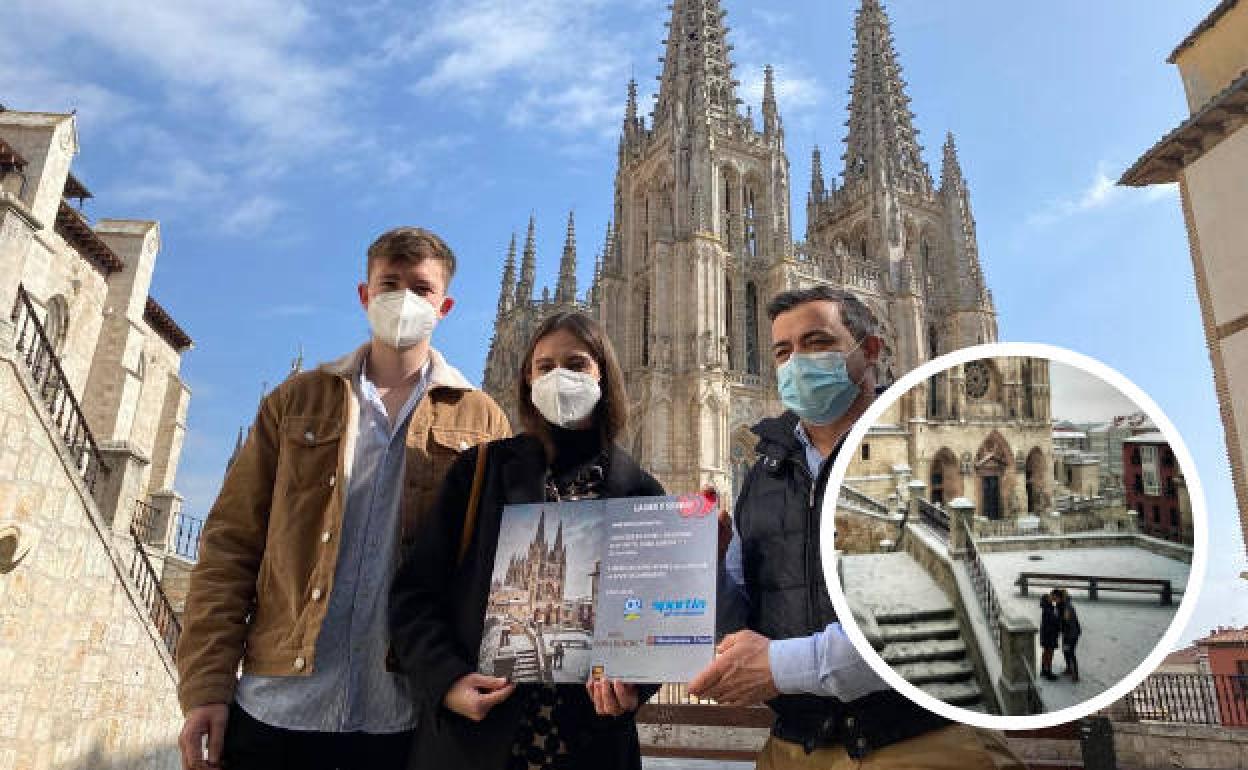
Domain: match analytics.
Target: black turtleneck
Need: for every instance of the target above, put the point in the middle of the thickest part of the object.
(574, 449)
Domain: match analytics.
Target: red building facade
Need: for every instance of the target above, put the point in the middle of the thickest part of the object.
(1226, 650)
(1154, 488)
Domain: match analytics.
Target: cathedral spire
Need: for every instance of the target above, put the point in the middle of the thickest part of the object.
(540, 537)
(771, 113)
(528, 267)
(559, 538)
(882, 144)
(818, 189)
(507, 292)
(630, 110)
(697, 71)
(565, 290)
(951, 169)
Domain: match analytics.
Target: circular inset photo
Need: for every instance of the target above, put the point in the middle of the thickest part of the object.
(1013, 535)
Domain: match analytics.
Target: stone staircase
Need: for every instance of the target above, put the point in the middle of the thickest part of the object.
(923, 640)
(927, 650)
(526, 666)
(853, 499)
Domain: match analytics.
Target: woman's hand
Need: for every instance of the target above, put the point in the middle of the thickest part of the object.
(473, 695)
(612, 697)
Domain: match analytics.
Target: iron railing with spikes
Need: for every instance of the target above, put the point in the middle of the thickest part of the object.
(44, 366)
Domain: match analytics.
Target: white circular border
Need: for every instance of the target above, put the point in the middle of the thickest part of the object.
(1195, 577)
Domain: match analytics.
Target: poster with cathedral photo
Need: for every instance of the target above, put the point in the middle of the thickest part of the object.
(620, 588)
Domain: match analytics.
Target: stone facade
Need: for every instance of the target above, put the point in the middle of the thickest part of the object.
(88, 681)
(701, 238)
(89, 284)
(88, 673)
(980, 430)
(1208, 156)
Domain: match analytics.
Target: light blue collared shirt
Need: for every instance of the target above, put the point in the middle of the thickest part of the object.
(349, 689)
(825, 663)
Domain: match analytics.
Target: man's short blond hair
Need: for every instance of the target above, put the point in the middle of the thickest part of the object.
(409, 245)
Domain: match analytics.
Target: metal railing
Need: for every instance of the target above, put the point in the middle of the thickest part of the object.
(147, 583)
(44, 367)
(1196, 699)
(935, 517)
(186, 541)
(143, 521)
(985, 594)
(863, 499)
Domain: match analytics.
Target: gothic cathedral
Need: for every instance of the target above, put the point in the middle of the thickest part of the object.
(702, 239)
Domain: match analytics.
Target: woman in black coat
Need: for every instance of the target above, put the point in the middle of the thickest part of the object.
(1050, 627)
(1071, 631)
(573, 406)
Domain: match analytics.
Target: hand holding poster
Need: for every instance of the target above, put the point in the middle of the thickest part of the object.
(621, 588)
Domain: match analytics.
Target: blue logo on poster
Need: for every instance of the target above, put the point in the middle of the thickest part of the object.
(683, 607)
(632, 609)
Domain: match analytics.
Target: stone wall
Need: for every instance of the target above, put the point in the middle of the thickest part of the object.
(87, 682)
(1148, 746)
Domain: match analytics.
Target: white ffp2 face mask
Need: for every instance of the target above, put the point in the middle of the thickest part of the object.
(565, 397)
(401, 318)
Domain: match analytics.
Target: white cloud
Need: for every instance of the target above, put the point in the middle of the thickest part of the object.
(1102, 192)
(252, 215)
(555, 57)
(176, 179)
(248, 60)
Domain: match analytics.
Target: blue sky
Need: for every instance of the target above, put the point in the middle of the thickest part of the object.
(274, 139)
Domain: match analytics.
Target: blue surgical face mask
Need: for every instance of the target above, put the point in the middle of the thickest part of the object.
(816, 386)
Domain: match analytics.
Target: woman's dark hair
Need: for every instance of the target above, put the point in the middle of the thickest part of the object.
(611, 413)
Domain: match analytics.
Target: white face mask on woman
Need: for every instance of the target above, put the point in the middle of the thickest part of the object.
(564, 397)
(401, 318)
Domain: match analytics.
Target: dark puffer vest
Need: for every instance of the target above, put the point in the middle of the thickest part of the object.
(778, 517)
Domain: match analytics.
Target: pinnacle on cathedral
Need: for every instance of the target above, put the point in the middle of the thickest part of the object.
(528, 267)
(507, 291)
(882, 145)
(697, 71)
(565, 291)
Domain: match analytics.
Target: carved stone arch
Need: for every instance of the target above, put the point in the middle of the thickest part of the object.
(741, 456)
(993, 462)
(1036, 478)
(944, 477)
(994, 449)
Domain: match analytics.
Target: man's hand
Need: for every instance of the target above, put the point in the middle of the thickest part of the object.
(612, 697)
(209, 720)
(473, 695)
(741, 674)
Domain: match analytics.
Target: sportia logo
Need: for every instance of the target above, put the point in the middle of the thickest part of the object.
(688, 607)
(632, 609)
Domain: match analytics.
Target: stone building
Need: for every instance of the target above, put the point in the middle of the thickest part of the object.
(980, 431)
(538, 574)
(701, 238)
(94, 416)
(1208, 156)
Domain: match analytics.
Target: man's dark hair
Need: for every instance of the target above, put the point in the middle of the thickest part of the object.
(856, 316)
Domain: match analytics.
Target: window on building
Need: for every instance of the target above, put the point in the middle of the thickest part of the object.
(752, 363)
(645, 329)
(1156, 514)
(1174, 518)
(56, 323)
(866, 451)
(728, 320)
(1150, 471)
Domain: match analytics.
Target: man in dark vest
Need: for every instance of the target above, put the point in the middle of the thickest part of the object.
(832, 710)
